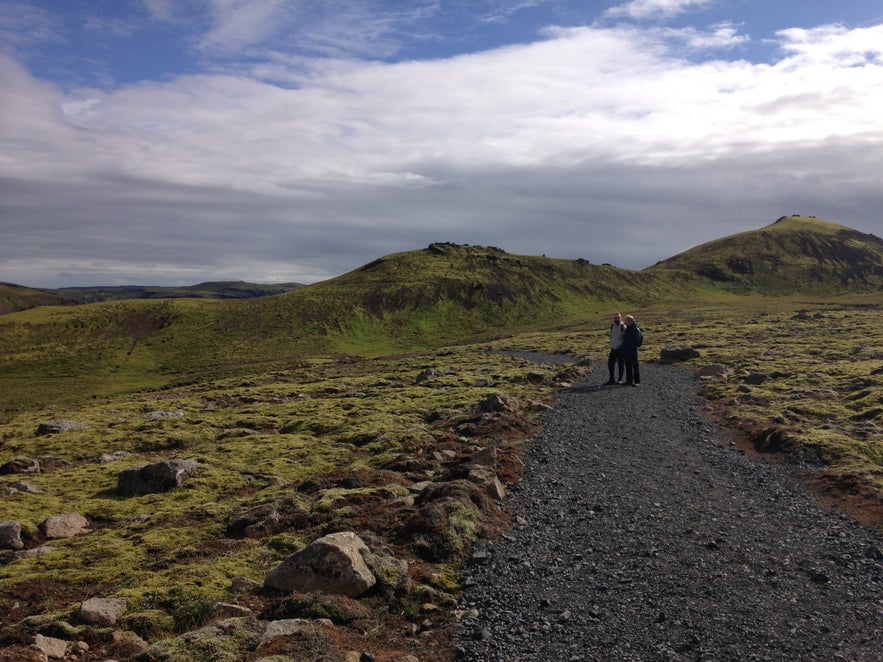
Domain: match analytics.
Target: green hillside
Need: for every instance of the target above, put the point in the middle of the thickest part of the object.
(208, 290)
(445, 294)
(16, 297)
(442, 295)
(794, 254)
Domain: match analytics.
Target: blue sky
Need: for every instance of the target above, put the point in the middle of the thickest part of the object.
(177, 141)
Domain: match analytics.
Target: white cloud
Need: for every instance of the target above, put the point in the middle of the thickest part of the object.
(22, 24)
(162, 10)
(647, 9)
(554, 147)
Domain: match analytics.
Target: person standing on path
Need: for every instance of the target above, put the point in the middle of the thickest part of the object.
(614, 359)
(632, 338)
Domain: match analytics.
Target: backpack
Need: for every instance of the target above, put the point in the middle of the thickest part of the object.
(640, 337)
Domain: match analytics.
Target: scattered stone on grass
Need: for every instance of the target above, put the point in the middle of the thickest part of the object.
(10, 535)
(677, 354)
(58, 426)
(157, 477)
(21, 465)
(65, 526)
(101, 611)
(331, 564)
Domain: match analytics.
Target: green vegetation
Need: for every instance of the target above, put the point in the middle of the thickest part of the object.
(794, 255)
(312, 399)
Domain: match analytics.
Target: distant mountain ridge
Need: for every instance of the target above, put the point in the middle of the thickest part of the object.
(795, 254)
(17, 297)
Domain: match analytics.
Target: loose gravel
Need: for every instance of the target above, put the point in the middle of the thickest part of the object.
(641, 533)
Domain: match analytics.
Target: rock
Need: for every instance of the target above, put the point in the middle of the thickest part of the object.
(536, 376)
(285, 627)
(426, 375)
(497, 402)
(713, 370)
(65, 526)
(24, 486)
(487, 478)
(104, 458)
(157, 477)
(52, 647)
(677, 354)
(59, 426)
(242, 585)
(755, 378)
(331, 564)
(268, 518)
(10, 535)
(34, 553)
(21, 465)
(159, 415)
(127, 644)
(391, 573)
(101, 611)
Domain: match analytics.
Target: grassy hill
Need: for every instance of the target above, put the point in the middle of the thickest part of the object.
(321, 409)
(445, 294)
(208, 290)
(794, 254)
(17, 297)
(442, 295)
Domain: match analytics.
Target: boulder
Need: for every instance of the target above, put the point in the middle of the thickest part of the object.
(58, 426)
(756, 378)
(10, 535)
(157, 477)
(712, 371)
(497, 402)
(536, 376)
(53, 648)
(677, 354)
(486, 477)
(331, 564)
(101, 611)
(21, 465)
(65, 526)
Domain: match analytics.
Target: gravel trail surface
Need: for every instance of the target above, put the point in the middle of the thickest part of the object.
(640, 533)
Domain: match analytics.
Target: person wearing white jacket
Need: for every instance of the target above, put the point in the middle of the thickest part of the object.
(614, 359)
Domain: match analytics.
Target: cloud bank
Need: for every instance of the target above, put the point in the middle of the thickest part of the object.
(612, 142)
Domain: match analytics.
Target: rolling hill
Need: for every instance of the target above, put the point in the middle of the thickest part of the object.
(442, 295)
(17, 297)
(794, 254)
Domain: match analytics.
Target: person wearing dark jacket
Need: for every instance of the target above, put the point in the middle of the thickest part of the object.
(614, 359)
(631, 340)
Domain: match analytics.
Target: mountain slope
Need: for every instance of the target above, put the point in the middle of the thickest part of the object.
(794, 254)
(16, 297)
(449, 293)
(209, 290)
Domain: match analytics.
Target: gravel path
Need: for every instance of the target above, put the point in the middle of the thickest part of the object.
(641, 534)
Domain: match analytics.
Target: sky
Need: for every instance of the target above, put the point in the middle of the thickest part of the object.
(172, 142)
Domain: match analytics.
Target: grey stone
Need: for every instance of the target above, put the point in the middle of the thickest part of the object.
(65, 526)
(157, 477)
(101, 611)
(677, 354)
(58, 426)
(332, 564)
(10, 535)
(53, 648)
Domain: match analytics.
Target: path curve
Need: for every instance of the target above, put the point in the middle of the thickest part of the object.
(641, 534)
